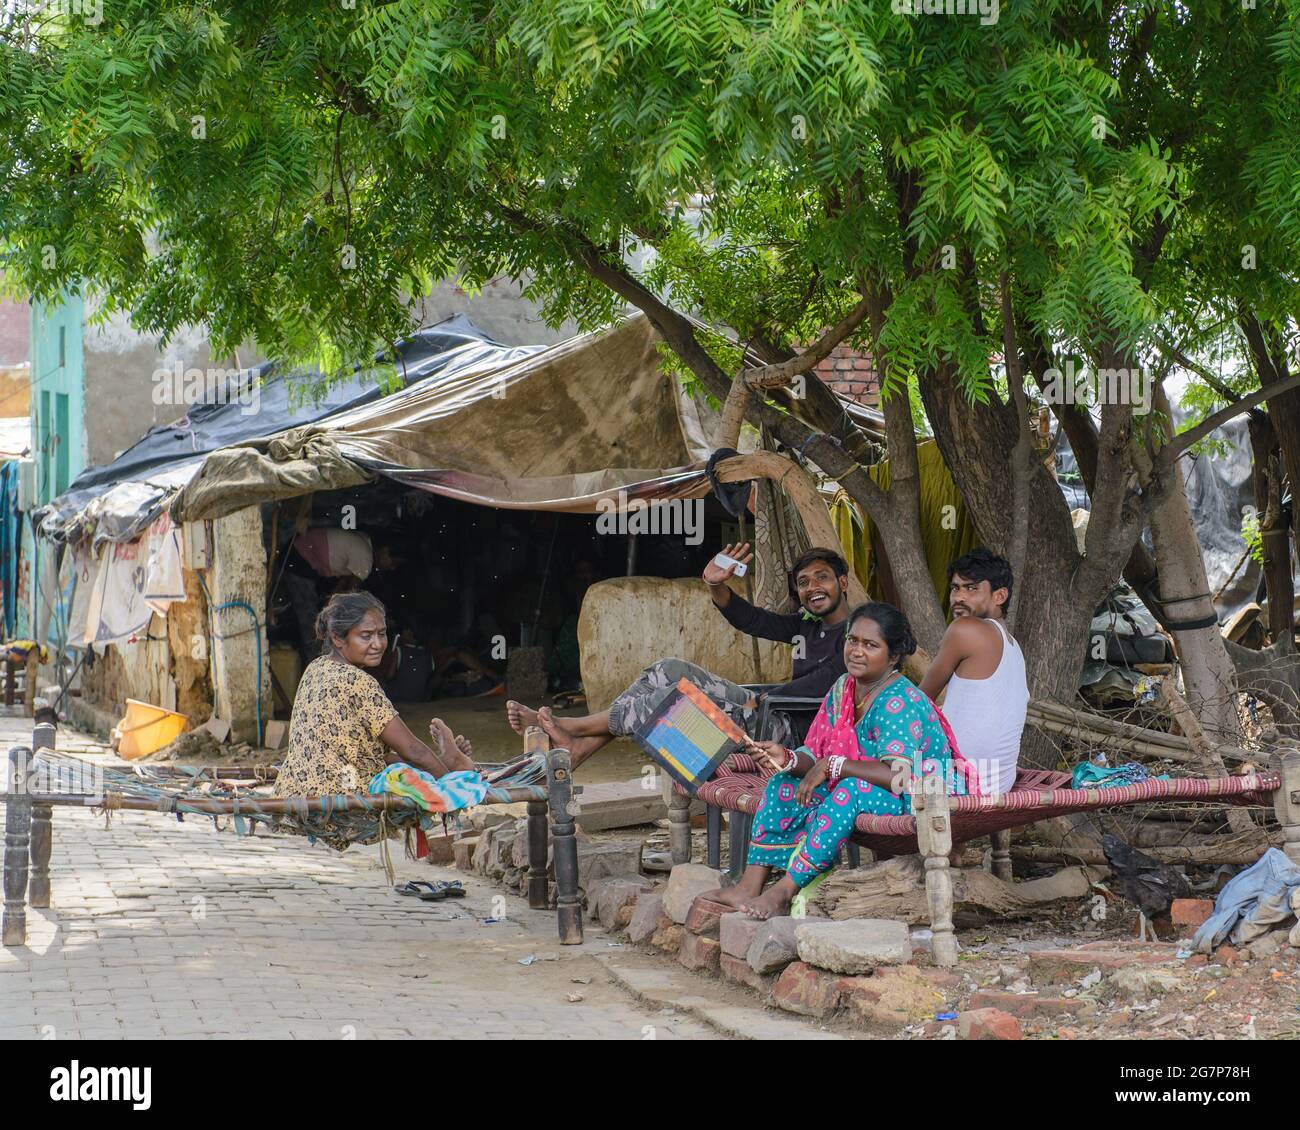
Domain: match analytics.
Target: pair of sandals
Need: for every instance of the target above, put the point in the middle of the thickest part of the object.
(431, 892)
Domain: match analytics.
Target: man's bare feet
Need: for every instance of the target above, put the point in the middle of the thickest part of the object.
(580, 746)
(772, 903)
(520, 716)
(463, 744)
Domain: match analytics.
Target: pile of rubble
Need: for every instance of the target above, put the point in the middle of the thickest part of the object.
(877, 975)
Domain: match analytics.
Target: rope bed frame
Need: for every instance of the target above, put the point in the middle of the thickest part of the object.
(29, 824)
(940, 821)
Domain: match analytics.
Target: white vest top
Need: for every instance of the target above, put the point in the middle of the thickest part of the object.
(987, 717)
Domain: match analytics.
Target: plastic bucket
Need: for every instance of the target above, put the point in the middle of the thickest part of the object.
(147, 728)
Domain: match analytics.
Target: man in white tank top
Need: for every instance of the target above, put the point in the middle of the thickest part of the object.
(982, 669)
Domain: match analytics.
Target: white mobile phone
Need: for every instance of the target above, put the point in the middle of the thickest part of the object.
(722, 561)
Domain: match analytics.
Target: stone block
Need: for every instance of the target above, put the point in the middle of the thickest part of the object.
(667, 936)
(463, 852)
(1188, 914)
(736, 933)
(853, 945)
(699, 953)
(988, 1024)
(807, 991)
(607, 898)
(737, 970)
(773, 947)
(704, 915)
(686, 881)
(1068, 965)
(606, 859)
(645, 917)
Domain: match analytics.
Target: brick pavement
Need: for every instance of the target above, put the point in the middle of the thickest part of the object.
(162, 929)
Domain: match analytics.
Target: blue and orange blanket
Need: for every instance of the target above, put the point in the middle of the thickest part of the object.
(448, 793)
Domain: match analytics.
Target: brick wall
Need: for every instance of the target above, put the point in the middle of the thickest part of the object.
(851, 374)
(13, 332)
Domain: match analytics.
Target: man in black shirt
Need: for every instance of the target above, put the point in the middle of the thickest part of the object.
(821, 581)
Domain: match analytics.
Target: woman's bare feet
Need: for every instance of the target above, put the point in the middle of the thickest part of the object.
(520, 716)
(746, 888)
(580, 746)
(729, 896)
(772, 903)
(454, 749)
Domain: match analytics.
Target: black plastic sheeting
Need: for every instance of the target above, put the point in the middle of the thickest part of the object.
(167, 456)
(1219, 491)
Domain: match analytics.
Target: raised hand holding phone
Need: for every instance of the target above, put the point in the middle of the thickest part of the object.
(738, 557)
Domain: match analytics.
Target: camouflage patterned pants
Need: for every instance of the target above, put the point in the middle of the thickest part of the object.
(656, 682)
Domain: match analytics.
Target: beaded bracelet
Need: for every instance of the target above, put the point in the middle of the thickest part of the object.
(836, 768)
(791, 762)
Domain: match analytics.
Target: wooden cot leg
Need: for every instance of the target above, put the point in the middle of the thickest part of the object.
(934, 837)
(18, 822)
(679, 824)
(568, 904)
(538, 845)
(1002, 854)
(713, 824)
(38, 891)
(539, 829)
(737, 843)
(29, 689)
(11, 677)
(1286, 801)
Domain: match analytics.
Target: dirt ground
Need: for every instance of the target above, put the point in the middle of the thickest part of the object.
(1153, 993)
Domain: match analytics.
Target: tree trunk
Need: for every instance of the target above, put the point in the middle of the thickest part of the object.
(978, 443)
(1209, 677)
(1275, 534)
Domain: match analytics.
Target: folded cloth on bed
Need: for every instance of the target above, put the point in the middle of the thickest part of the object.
(1086, 775)
(448, 793)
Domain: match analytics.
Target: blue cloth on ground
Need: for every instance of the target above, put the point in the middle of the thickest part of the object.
(1261, 894)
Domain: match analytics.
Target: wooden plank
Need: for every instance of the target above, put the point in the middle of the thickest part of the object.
(620, 804)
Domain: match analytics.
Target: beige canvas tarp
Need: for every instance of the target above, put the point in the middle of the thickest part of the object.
(560, 430)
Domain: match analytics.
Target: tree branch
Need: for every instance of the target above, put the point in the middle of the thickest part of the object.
(782, 373)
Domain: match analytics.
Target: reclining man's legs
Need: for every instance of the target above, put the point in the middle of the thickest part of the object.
(583, 736)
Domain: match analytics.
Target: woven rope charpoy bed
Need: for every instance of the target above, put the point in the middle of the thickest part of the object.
(941, 821)
(41, 781)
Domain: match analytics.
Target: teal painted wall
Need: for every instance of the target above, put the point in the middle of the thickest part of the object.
(58, 394)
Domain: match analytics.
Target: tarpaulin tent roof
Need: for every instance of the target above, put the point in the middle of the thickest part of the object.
(119, 499)
(559, 429)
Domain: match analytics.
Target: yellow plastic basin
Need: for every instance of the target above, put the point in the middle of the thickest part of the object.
(147, 728)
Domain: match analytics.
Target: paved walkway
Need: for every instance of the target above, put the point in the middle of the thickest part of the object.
(162, 929)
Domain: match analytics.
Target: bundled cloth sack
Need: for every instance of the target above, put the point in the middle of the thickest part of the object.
(1252, 903)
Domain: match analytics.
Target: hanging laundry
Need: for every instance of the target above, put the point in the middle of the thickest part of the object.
(164, 574)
